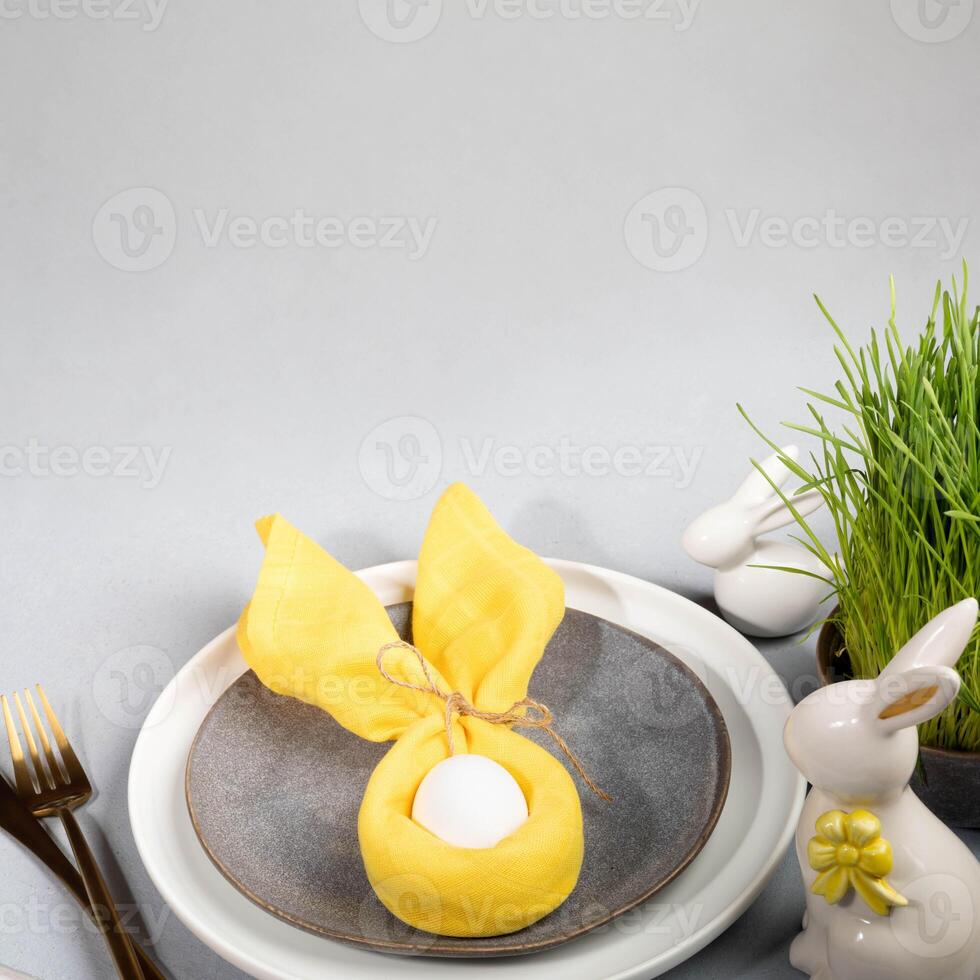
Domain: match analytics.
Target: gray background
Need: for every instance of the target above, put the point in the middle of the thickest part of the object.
(530, 321)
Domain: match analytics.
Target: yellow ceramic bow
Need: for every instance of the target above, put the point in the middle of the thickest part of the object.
(850, 851)
(484, 609)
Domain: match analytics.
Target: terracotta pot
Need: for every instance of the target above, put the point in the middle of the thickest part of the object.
(951, 788)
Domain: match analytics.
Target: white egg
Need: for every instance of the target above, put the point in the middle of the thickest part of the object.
(469, 801)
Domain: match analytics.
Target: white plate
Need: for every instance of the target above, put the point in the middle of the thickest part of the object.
(751, 837)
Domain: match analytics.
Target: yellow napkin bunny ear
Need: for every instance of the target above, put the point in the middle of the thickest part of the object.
(485, 607)
(484, 610)
(312, 631)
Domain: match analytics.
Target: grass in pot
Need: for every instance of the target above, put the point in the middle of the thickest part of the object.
(898, 465)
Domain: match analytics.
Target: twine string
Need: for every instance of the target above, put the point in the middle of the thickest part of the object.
(526, 713)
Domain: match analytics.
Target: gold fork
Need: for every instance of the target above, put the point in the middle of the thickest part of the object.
(57, 790)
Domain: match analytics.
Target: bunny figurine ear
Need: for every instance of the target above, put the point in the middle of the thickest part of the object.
(775, 514)
(940, 642)
(756, 489)
(914, 696)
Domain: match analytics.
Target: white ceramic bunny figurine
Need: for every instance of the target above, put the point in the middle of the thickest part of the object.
(759, 601)
(892, 893)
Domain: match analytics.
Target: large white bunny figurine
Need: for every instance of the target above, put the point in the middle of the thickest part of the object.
(760, 601)
(892, 893)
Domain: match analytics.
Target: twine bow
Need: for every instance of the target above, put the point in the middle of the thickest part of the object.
(526, 713)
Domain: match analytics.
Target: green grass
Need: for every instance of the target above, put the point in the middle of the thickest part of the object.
(898, 465)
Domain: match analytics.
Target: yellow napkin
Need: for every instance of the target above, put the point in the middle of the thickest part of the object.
(484, 610)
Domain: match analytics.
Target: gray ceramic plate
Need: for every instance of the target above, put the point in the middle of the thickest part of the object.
(274, 787)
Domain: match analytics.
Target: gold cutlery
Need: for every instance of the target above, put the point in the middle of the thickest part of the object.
(18, 821)
(58, 789)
